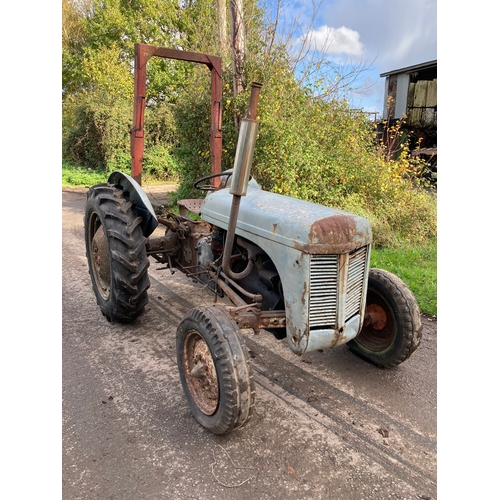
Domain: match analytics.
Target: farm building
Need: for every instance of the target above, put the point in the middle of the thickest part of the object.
(411, 94)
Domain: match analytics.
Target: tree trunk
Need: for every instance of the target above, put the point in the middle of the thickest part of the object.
(238, 46)
(222, 25)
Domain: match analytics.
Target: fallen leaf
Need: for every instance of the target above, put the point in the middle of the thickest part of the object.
(291, 470)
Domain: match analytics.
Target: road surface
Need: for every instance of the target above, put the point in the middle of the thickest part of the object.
(327, 425)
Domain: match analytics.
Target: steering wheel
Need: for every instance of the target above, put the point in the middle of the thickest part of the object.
(209, 187)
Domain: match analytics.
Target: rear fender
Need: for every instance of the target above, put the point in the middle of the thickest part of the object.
(142, 204)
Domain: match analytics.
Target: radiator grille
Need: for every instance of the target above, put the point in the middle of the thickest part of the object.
(355, 277)
(325, 288)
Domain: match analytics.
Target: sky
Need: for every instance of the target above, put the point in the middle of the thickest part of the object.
(380, 35)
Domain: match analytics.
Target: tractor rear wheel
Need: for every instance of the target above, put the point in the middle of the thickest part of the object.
(392, 329)
(116, 253)
(214, 369)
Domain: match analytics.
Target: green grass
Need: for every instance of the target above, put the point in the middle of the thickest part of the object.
(75, 176)
(417, 267)
(81, 177)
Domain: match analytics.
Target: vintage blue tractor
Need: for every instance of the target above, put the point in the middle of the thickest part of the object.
(298, 269)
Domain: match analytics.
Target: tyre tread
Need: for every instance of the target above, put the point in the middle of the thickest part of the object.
(236, 382)
(410, 331)
(127, 252)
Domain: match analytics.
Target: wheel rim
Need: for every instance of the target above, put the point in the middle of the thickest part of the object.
(200, 373)
(379, 331)
(99, 256)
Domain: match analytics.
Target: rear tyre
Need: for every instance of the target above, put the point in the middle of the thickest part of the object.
(392, 329)
(116, 253)
(214, 369)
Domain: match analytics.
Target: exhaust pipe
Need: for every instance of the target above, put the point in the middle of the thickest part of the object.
(240, 177)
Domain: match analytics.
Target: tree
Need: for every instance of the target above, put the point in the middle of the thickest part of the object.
(312, 65)
(98, 53)
(238, 45)
(222, 26)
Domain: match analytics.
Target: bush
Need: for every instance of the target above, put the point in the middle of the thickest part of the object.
(192, 115)
(159, 164)
(96, 136)
(309, 149)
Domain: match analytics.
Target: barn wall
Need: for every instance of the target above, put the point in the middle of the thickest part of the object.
(422, 103)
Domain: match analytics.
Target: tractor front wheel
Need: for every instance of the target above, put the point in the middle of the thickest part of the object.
(214, 369)
(116, 253)
(392, 328)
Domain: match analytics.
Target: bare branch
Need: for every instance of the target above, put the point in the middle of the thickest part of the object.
(312, 63)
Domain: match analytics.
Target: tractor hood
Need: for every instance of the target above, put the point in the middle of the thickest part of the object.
(305, 226)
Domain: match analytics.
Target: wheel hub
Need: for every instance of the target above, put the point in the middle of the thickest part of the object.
(378, 329)
(100, 255)
(200, 373)
(375, 317)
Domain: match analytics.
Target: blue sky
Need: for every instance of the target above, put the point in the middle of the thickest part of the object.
(383, 35)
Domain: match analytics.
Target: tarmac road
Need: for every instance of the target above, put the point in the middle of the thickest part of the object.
(326, 426)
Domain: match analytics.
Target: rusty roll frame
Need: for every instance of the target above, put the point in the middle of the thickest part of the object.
(143, 53)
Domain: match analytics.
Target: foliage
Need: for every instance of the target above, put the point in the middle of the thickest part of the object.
(97, 135)
(417, 267)
(159, 164)
(97, 62)
(193, 119)
(79, 176)
(99, 38)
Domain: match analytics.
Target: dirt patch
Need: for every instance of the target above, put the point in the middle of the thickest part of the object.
(158, 194)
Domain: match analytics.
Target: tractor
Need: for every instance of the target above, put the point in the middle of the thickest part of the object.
(298, 269)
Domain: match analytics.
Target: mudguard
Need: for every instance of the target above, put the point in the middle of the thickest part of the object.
(142, 204)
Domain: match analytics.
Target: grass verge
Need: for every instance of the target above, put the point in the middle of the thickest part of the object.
(75, 176)
(417, 267)
(79, 176)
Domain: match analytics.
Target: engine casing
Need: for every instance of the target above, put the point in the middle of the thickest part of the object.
(322, 256)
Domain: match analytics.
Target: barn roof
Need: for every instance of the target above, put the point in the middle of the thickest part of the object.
(411, 69)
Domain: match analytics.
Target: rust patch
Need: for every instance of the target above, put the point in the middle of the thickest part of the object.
(338, 339)
(304, 294)
(375, 317)
(339, 229)
(336, 235)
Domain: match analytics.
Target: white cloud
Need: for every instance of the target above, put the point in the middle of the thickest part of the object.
(335, 40)
(382, 34)
(397, 33)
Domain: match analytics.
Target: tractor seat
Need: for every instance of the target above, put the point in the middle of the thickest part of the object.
(193, 206)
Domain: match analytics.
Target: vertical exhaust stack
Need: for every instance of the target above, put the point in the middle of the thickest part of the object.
(240, 177)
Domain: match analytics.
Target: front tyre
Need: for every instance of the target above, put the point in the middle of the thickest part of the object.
(392, 328)
(214, 369)
(116, 253)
